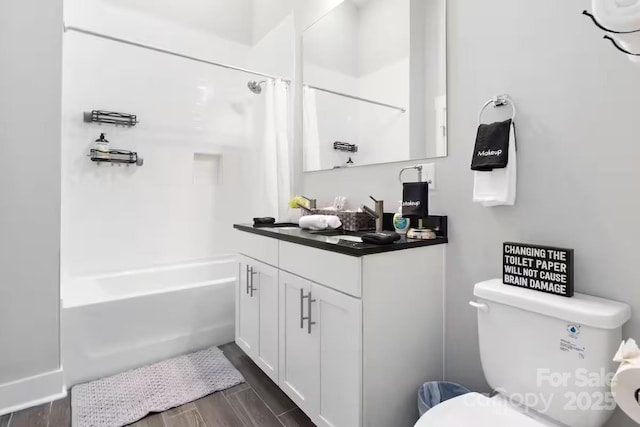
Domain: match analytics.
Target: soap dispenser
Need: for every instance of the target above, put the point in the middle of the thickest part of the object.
(400, 223)
(101, 146)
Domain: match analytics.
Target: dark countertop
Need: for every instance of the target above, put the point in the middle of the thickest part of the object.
(334, 243)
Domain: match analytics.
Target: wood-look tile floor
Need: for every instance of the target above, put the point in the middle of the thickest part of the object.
(257, 403)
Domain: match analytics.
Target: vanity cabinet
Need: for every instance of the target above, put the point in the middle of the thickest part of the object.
(320, 350)
(257, 314)
(349, 339)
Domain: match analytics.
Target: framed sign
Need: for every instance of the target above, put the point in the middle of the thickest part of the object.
(541, 268)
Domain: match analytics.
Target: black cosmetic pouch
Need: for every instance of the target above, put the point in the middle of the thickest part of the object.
(492, 146)
(380, 237)
(415, 200)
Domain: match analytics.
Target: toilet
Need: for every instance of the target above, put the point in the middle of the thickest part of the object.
(547, 357)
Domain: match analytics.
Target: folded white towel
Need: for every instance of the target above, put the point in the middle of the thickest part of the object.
(319, 222)
(498, 187)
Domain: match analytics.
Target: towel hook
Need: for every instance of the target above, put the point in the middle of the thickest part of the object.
(498, 101)
(416, 167)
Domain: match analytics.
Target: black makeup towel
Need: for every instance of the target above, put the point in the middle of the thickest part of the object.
(492, 146)
(415, 199)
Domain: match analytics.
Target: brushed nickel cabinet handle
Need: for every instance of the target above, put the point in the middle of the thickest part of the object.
(252, 288)
(302, 316)
(309, 322)
(247, 289)
(302, 297)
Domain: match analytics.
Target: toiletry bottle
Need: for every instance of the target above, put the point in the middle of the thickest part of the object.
(400, 223)
(102, 147)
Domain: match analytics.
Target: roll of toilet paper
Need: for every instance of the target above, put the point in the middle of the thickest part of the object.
(625, 385)
(626, 389)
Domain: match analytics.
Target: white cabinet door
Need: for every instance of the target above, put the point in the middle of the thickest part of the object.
(266, 292)
(299, 344)
(338, 327)
(247, 309)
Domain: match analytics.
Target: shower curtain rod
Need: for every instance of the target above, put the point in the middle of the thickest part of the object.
(357, 98)
(170, 52)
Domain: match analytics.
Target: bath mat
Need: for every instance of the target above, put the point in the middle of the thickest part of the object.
(127, 397)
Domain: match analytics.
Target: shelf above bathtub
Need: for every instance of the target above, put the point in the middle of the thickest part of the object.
(116, 157)
(110, 117)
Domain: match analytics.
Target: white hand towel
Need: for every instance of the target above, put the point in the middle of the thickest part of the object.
(498, 187)
(319, 222)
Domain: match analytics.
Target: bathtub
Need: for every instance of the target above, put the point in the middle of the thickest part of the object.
(116, 322)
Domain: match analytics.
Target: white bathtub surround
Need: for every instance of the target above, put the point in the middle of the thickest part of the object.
(202, 135)
(201, 132)
(112, 323)
(276, 151)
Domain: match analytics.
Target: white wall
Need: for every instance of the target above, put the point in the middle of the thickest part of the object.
(274, 52)
(578, 150)
(226, 19)
(332, 44)
(30, 86)
(158, 29)
(383, 34)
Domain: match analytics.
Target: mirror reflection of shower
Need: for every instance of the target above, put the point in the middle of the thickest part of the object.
(255, 86)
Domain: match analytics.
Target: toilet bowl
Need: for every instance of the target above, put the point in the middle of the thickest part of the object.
(478, 410)
(541, 349)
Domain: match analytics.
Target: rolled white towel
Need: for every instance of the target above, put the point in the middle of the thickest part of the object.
(617, 15)
(623, 16)
(320, 222)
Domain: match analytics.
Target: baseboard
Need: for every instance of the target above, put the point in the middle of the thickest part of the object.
(32, 391)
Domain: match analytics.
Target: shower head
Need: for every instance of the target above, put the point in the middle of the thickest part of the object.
(255, 86)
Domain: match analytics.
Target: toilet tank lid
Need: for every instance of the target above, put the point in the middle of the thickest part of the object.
(583, 309)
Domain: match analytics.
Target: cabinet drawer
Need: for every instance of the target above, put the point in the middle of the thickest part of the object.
(261, 248)
(340, 272)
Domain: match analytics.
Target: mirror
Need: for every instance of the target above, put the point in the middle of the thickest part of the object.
(374, 84)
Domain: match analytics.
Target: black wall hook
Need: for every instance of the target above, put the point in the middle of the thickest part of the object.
(620, 48)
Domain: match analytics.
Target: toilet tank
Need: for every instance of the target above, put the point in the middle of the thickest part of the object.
(550, 353)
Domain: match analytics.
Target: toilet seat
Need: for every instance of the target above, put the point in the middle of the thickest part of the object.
(477, 410)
